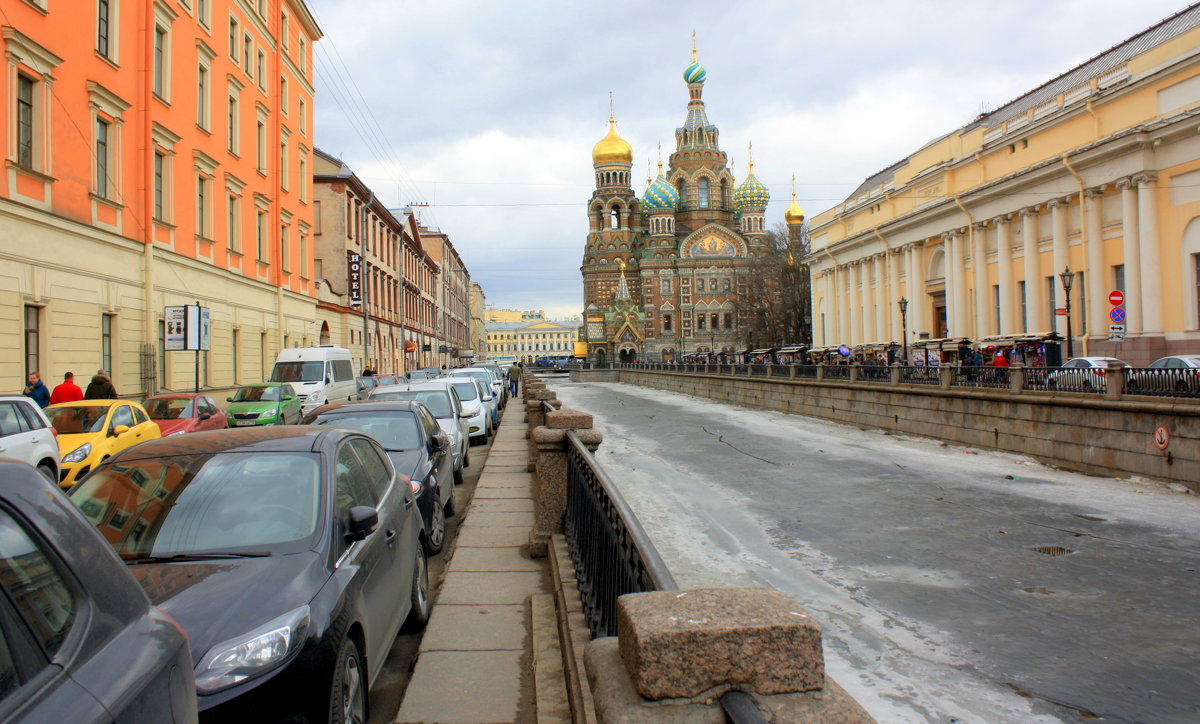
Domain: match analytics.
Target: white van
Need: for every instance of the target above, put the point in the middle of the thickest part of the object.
(320, 375)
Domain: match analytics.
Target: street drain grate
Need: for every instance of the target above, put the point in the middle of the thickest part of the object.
(1052, 550)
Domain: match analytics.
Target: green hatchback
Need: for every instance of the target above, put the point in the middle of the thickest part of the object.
(266, 403)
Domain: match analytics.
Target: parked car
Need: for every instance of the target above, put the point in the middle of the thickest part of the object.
(26, 435)
(441, 399)
(80, 640)
(364, 385)
(477, 413)
(1178, 373)
(90, 431)
(319, 375)
(422, 374)
(265, 403)
(502, 375)
(492, 399)
(180, 412)
(291, 556)
(483, 375)
(417, 447)
(1081, 374)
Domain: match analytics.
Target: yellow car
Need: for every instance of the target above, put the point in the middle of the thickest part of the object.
(91, 430)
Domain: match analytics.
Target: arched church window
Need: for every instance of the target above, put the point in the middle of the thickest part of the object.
(702, 200)
(716, 321)
(724, 194)
(681, 187)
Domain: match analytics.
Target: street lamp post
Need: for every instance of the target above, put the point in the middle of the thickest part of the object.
(1067, 278)
(903, 303)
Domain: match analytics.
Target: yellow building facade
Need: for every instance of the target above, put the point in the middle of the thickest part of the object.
(1096, 171)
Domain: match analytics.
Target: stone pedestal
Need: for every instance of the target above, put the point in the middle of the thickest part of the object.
(535, 417)
(1114, 380)
(1016, 378)
(550, 472)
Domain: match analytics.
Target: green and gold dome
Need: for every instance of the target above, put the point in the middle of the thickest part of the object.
(751, 193)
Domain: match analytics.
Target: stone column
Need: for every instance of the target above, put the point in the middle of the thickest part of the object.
(881, 303)
(963, 316)
(893, 295)
(982, 291)
(550, 472)
(1004, 274)
(1016, 378)
(1058, 220)
(1034, 307)
(846, 287)
(1132, 257)
(1147, 196)
(855, 304)
(1097, 273)
(950, 260)
(918, 302)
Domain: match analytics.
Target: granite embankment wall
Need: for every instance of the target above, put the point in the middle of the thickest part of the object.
(1088, 433)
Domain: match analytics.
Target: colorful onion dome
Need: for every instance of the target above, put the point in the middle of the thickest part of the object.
(660, 195)
(612, 148)
(695, 73)
(794, 214)
(752, 193)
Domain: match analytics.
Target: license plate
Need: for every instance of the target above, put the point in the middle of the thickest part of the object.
(243, 422)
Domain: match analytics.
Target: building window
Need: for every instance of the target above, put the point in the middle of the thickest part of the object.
(699, 285)
(702, 194)
(283, 96)
(203, 205)
(106, 333)
(302, 56)
(160, 163)
(103, 128)
(202, 96)
(283, 160)
(303, 164)
(725, 285)
(25, 86)
(284, 30)
(262, 70)
(248, 54)
(665, 286)
(234, 34)
(302, 112)
(284, 257)
(728, 320)
(1118, 277)
(232, 223)
(261, 138)
(33, 339)
(103, 27)
(202, 13)
(303, 255)
(260, 235)
(160, 61)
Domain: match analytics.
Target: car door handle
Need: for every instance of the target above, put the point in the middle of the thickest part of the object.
(408, 502)
(390, 537)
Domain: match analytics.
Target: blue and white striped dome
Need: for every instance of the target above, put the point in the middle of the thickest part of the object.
(695, 73)
(660, 195)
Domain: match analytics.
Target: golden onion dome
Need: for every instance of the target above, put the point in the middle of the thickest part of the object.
(612, 148)
(794, 214)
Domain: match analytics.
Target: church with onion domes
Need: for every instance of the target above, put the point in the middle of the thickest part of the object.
(662, 273)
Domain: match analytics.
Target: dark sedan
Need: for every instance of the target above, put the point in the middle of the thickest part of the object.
(79, 640)
(417, 447)
(291, 555)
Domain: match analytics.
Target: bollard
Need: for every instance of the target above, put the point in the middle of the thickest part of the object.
(1115, 380)
(1016, 378)
(854, 367)
(821, 371)
(550, 472)
(946, 373)
(535, 417)
(896, 370)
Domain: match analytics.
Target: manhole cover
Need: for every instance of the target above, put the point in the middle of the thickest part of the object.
(1052, 550)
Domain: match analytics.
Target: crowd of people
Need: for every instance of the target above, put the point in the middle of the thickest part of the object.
(100, 388)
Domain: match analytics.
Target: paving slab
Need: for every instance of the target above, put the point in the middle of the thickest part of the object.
(481, 537)
(502, 505)
(499, 519)
(513, 493)
(509, 587)
(505, 479)
(475, 628)
(494, 559)
(463, 687)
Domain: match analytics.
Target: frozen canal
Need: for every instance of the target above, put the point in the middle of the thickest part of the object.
(953, 585)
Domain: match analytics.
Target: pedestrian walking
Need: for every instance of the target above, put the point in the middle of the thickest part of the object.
(37, 389)
(67, 390)
(100, 388)
(514, 377)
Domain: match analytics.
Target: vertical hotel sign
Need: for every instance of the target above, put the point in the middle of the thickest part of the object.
(355, 280)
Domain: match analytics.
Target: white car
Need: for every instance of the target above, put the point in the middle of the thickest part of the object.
(478, 414)
(26, 435)
(1081, 374)
(487, 376)
(443, 401)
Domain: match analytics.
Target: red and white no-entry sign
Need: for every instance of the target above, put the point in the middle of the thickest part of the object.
(1116, 297)
(1161, 437)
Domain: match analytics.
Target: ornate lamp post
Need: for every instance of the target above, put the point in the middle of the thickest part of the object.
(903, 304)
(1067, 278)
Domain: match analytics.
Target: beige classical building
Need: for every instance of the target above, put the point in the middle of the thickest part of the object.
(1096, 170)
(526, 341)
(478, 303)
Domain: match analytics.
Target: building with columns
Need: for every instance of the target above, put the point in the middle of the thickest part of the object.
(1096, 171)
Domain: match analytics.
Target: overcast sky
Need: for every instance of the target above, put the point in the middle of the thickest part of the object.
(488, 111)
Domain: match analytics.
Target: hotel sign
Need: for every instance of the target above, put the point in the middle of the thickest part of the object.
(355, 268)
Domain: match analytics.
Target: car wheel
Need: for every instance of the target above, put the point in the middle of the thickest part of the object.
(458, 475)
(435, 540)
(466, 459)
(449, 507)
(48, 471)
(418, 614)
(348, 690)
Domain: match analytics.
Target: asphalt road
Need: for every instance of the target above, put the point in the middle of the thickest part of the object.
(953, 585)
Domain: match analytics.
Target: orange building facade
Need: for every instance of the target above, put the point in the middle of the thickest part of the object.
(157, 152)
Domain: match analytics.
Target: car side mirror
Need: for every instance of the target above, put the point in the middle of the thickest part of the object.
(363, 519)
(119, 430)
(205, 415)
(326, 380)
(441, 442)
(229, 399)
(288, 397)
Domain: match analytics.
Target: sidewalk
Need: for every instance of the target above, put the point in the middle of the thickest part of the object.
(491, 638)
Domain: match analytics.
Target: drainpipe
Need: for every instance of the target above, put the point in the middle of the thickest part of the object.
(976, 263)
(1083, 235)
(148, 194)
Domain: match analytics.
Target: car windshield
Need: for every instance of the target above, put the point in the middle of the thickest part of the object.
(438, 401)
(168, 408)
(480, 375)
(71, 420)
(466, 391)
(182, 504)
(298, 372)
(394, 430)
(257, 394)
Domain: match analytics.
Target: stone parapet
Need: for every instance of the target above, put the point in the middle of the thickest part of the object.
(549, 443)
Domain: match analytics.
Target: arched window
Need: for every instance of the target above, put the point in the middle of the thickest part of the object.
(614, 219)
(702, 200)
(681, 187)
(724, 194)
(715, 321)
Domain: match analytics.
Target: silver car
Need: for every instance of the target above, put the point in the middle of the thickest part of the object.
(483, 375)
(478, 413)
(443, 401)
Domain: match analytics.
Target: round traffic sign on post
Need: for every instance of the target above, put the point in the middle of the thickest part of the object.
(1161, 437)
(1116, 297)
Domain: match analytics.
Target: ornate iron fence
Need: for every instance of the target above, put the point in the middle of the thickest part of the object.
(994, 377)
(1180, 382)
(921, 375)
(612, 554)
(875, 373)
(837, 372)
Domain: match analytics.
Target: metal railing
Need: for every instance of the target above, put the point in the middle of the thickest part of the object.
(993, 377)
(610, 550)
(875, 373)
(759, 370)
(837, 372)
(921, 375)
(1180, 382)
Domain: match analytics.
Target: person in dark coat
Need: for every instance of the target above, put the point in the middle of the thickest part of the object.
(100, 388)
(514, 377)
(37, 389)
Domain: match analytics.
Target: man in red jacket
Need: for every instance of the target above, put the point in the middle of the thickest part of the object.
(68, 391)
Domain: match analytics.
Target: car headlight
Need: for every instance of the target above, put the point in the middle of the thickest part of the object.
(253, 654)
(415, 483)
(79, 454)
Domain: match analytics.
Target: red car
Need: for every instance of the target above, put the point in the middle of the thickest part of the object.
(180, 412)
